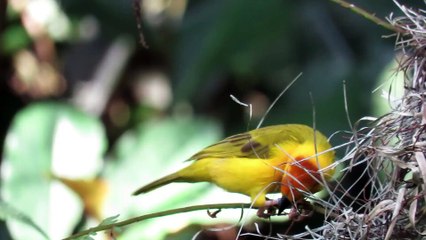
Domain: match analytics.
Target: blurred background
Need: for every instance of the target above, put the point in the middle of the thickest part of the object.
(88, 113)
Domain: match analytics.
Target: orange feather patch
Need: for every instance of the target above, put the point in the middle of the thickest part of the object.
(301, 176)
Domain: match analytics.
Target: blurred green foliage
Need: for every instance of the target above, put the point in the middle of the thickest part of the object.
(13, 39)
(45, 138)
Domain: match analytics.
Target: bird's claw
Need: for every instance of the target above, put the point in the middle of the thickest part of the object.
(302, 211)
(298, 212)
(269, 209)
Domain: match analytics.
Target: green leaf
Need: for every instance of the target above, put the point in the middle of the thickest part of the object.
(7, 212)
(390, 89)
(86, 237)
(13, 39)
(109, 220)
(45, 139)
(148, 152)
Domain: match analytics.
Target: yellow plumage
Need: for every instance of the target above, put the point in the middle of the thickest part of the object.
(276, 158)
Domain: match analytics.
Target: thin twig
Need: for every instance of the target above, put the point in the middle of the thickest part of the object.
(276, 99)
(157, 214)
(138, 15)
(103, 227)
(367, 15)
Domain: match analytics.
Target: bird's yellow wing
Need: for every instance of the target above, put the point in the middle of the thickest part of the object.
(256, 143)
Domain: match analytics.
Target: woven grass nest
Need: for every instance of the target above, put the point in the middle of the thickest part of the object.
(391, 152)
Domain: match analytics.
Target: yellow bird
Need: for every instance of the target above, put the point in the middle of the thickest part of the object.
(291, 158)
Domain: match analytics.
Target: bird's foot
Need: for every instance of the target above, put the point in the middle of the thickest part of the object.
(298, 212)
(269, 209)
(301, 211)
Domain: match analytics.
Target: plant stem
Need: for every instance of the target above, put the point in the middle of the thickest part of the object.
(157, 214)
(367, 15)
(129, 221)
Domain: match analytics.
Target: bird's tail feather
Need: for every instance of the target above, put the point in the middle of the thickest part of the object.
(158, 183)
